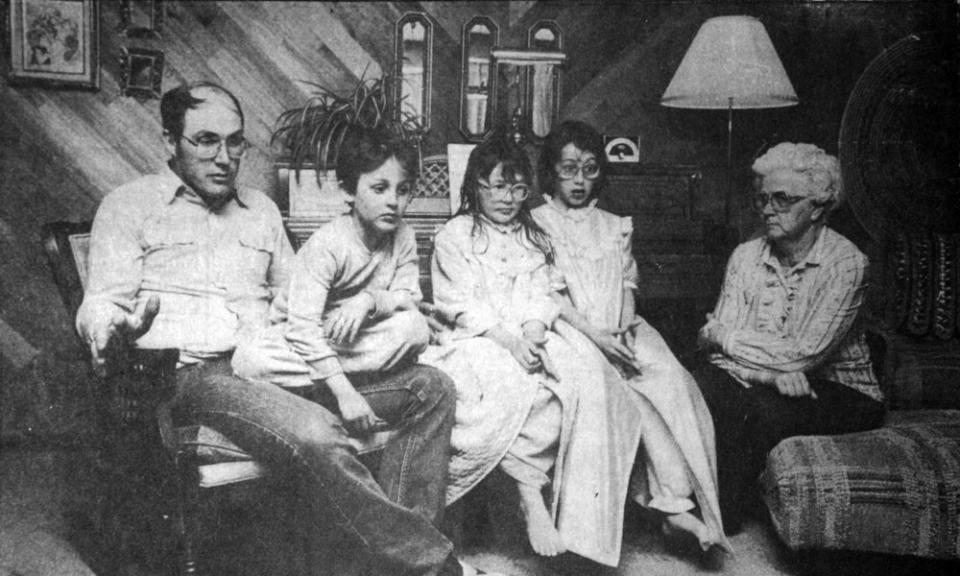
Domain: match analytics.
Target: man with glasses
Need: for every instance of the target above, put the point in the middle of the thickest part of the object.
(212, 253)
(786, 354)
(185, 259)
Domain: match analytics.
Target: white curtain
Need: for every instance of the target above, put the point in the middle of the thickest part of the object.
(542, 113)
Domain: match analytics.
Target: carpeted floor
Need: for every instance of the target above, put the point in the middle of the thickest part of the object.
(37, 488)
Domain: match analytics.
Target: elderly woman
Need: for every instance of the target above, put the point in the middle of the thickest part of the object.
(786, 356)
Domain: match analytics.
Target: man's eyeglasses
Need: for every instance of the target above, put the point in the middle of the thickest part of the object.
(779, 201)
(208, 147)
(518, 192)
(569, 171)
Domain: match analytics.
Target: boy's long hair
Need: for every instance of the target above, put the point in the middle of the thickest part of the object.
(499, 149)
(366, 149)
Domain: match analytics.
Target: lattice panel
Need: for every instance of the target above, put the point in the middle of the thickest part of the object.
(434, 178)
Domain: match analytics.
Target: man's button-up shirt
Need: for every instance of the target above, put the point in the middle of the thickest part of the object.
(214, 271)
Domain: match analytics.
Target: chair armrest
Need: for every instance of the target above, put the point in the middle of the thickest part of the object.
(137, 393)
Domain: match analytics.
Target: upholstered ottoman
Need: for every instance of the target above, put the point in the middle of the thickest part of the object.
(896, 489)
(893, 490)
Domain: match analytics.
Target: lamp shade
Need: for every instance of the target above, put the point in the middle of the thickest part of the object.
(730, 64)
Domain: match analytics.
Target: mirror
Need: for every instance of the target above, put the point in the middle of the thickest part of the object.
(528, 87)
(544, 36)
(414, 69)
(543, 98)
(477, 109)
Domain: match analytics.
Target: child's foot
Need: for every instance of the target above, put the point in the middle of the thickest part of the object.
(687, 523)
(544, 538)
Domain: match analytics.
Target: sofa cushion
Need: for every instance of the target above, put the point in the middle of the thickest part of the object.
(893, 490)
(922, 283)
(209, 446)
(920, 372)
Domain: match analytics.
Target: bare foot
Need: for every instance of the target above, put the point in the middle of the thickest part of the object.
(544, 538)
(688, 523)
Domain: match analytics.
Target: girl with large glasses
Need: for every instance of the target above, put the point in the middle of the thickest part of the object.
(647, 395)
(492, 281)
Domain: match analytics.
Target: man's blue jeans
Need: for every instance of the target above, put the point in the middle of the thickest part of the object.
(392, 518)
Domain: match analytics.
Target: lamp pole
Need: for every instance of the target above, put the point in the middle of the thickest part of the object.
(727, 210)
(727, 198)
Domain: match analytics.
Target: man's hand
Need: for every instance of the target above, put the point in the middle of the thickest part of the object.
(794, 384)
(343, 324)
(102, 331)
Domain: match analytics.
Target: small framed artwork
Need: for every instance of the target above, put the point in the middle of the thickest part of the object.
(141, 72)
(622, 149)
(54, 42)
(140, 18)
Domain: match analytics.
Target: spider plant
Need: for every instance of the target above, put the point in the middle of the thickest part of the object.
(314, 132)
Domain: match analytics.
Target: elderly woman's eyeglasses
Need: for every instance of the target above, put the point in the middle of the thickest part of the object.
(568, 171)
(208, 146)
(780, 201)
(502, 190)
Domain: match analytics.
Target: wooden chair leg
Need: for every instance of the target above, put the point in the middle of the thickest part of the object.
(188, 519)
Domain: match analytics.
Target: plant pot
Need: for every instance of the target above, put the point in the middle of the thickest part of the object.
(311, 195)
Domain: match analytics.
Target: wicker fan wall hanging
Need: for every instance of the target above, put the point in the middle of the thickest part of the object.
(899, 140)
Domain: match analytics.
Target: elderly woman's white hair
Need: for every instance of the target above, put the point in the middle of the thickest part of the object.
(821, 170)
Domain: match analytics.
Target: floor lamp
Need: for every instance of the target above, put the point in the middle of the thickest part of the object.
(731, 64)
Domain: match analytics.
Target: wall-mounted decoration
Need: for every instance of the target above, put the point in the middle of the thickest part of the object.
(141, 72)
(54, 42)
(141, 18)
(477, 108)
(528, 81)
(545, 35)
(414, 70)
(622, 149)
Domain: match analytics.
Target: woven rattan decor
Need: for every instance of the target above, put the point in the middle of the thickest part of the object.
(898, 139)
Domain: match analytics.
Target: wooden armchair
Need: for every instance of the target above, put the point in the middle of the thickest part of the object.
(137, 443)
(136, 435)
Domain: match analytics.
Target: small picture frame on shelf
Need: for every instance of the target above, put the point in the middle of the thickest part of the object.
(141, 72)
(141, 18)
(54, 43)
(622, 149)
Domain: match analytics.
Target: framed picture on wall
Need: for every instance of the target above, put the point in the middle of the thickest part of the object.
(54, 43)
(139, 18)
(141, 72)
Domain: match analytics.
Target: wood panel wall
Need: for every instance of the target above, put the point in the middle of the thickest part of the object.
(63, 150)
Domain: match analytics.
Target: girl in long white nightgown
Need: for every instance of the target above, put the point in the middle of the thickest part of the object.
(593, 256)
(516, 377)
